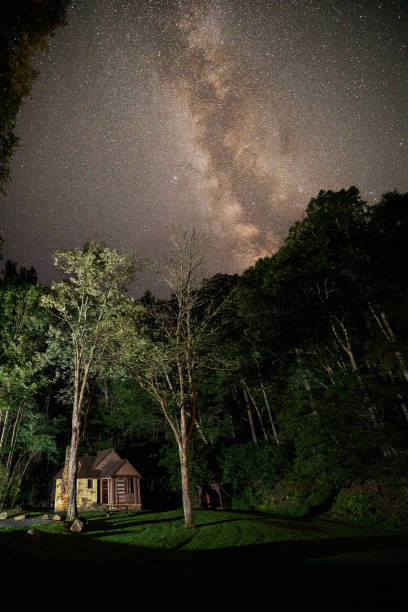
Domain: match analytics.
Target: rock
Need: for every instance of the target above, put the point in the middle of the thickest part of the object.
(56, 517)
(3, 516)
(33, 536)
(45, 517)
(77, 526)
(19, 517)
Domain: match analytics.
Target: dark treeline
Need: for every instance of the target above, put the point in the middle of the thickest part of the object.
(299, 387)
(25, 27)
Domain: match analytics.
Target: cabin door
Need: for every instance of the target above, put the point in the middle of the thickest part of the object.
(104, 489)
(120, 490)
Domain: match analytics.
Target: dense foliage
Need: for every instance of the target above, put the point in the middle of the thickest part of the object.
(301, 400)
(27, 430)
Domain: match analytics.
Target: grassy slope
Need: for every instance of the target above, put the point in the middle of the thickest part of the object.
(228, 555)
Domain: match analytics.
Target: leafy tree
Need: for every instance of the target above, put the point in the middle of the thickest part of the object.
(253, 471)
(25, 26)
(23, 327)
(88, 308)
(324, 320)
(15, 275)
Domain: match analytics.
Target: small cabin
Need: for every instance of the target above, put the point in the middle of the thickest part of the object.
(104, 480)
(217, 496)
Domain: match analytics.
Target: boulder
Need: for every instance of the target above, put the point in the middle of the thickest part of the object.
(77, 526)
(45, 517)
(56, 517)
(3, 516)
(19, 517)
(33, 536)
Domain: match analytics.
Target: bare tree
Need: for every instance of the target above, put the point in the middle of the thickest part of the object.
(178, 344)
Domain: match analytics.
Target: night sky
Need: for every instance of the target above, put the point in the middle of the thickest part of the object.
(224, 115)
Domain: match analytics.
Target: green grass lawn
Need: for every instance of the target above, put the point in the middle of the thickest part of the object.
(228, 557)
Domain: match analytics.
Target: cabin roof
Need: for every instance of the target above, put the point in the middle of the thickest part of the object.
(108, 454)
(105, 464)
(115, 468)
(86, 468)
(110, 469)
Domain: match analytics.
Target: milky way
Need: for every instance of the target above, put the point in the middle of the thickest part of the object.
(223, 115)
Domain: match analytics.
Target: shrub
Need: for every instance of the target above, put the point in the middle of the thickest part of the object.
(252, 470)
(354, 506)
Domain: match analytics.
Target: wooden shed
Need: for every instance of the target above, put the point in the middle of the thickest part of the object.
(216, 495)
(105, 480)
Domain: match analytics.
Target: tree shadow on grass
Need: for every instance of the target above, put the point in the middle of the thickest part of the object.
(108, 524)
(123, 522)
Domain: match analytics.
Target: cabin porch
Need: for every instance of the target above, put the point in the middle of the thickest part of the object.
(120, 492)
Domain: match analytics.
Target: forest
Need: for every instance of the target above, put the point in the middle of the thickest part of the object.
(288, 382)
(125, 128)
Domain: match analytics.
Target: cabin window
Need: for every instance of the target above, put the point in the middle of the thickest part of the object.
(90, 483)
(132, 490)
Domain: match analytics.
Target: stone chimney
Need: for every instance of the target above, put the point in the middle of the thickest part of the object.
(62, 496)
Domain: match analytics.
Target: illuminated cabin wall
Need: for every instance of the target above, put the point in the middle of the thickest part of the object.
(87, 497)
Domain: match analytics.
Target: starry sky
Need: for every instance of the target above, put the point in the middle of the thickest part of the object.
(224, 115)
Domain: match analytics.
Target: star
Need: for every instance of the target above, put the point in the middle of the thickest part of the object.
(223, 115)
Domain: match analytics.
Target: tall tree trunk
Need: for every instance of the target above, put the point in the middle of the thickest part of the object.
(72, 460)
(88, 405)
(79, 395)
(275, 433)
(250, 419)
(20, 478)
(5, 411)
(388, 333)
(251, 397)
(200, 431)
(185, 485)
(13, 438)
(232, 427)
(343, 341)
(403, 407)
